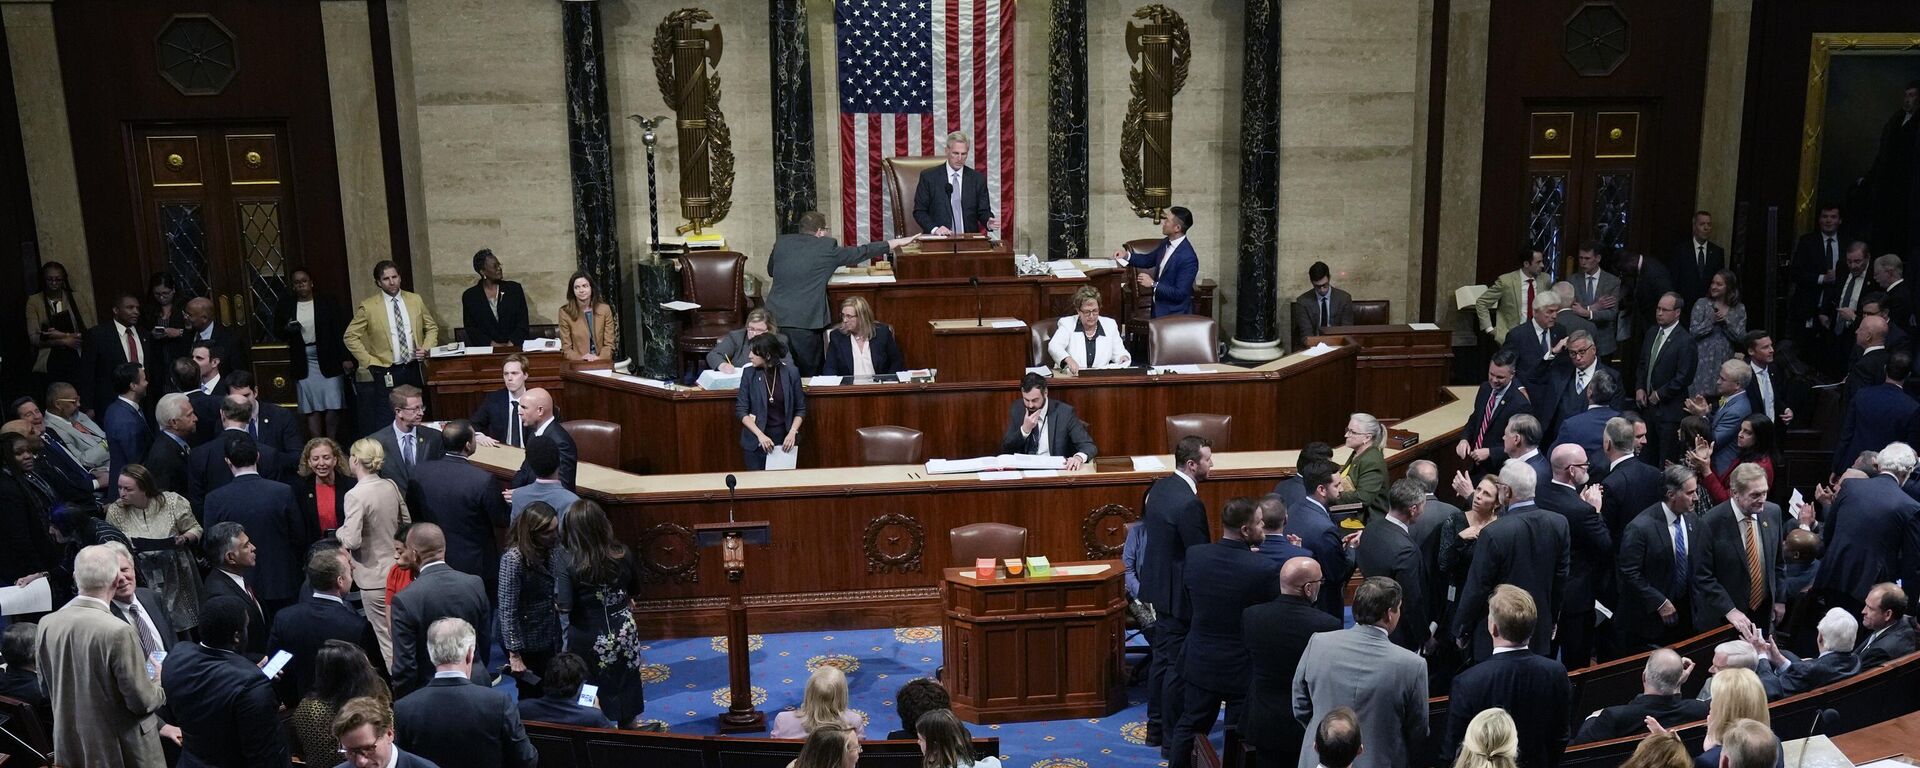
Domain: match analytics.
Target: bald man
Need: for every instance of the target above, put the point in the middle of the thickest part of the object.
(1280, 628)
(1659, 699)
(537, 418)
(229, 350)
(1590, 554)
(438, 592)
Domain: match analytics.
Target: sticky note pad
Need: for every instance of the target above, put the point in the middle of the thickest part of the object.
(1038, 566)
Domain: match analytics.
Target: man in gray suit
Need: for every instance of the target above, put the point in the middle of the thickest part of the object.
(1320, 307)
(1596, 297)
(801, 263)
(405, 443)
(1358, 667)
(96, 675)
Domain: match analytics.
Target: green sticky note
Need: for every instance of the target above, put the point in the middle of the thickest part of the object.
(1038, 566)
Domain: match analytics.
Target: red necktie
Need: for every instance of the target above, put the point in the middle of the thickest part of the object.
(1528, 309)
(1493, 404)
(133, 348)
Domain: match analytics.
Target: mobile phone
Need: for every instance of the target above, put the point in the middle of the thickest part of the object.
(588, 691)
(277, 663)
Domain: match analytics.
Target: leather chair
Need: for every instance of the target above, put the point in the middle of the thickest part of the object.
(1216, 428)
(903, 180)
(977, 540)
(1039, 332)
(1372, 312)
(717, 281)
(598, 441)
(1182, 340)
(34, 743)
(890, 445)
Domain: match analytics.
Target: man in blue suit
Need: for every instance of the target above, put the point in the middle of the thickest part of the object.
(128, 436)
(1531, 687)
(321, 616)
(267, 509)
(1879, 414)
(1173, 520)
(1869, 533)
(466, 503)
(497, 420)
(1313, 525)
(271, 426)
(1585, 366)
(1730, 407)
(1539, 351)
(1169, 269)
(223, 706)
(1223, 579)
(207, 469)
(1587, 427)
(1500, 398)
(454, 720)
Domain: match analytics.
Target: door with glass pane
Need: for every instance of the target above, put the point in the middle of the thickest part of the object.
(216, 212)
(1586, 179)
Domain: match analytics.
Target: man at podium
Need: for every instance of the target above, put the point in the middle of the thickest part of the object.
(952, 192)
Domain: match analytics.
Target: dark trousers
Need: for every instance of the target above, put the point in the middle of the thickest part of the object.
(1199, 707)
(1576, 637)
(806, 348)
(756, 458)
(1664, 441)
(1164, 687)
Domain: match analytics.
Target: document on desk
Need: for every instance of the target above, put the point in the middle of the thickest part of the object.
(1015, 462)
(1008, 324)
(608, 373)
(783, 458)
(1000, 475)
(35, 597)
(1042, 370)
(1423, 326)
(540, 345)
(823, 381)
(1148, 464)
(1033, 473)
(1188, 368)
(1068, 274)
(1317, 350)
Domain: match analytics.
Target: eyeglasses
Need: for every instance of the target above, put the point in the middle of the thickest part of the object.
(366, 751)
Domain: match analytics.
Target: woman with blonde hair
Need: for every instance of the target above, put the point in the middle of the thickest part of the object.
(1087, 339)
(860, 346)
(830, 746)
(1491, 741)
(146, 512)
(946, 743)
(1737, 695)
(587, 328)
(322, 487)
(1659, 751)
(375, 509)
(824, 704)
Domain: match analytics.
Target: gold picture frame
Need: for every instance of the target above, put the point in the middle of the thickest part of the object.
(1825, 45)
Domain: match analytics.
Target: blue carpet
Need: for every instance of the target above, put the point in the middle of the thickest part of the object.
(687, 688)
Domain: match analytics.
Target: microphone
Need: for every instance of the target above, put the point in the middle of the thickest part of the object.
(978, 314)
(1818, 715)
(731, 483)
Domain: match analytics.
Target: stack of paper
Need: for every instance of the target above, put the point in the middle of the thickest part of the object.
(782, 458)
(712, 379)
(1148, 464)
(1005, 461)
(1317, 350)
(823, 381)
(454, 349)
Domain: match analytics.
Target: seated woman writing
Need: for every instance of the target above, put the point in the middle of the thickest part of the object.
(858, 346)
(1086, 339)
(730, 353)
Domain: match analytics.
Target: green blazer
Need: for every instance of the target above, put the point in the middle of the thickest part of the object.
(1367, 476)
(1500, 307)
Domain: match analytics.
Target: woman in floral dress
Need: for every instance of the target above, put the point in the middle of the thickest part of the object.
(600, 624)
(146, 512)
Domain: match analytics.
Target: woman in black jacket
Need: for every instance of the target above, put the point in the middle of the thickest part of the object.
(322, 489)
(26, 506)
(770, 405)
(319, 327)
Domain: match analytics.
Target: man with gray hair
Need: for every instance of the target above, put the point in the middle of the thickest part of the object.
(96, 676)
(1538, 345)
(456, 721)
(167, 457)
(1867, 533)
(1569, 315)
(1737, 563)
(951, 197)
(1732, 654)
(1659, 699)
(1628, 486)
(1728, 408)
(1785, 674)
(438, 592)
(1748, 743)
(1526, 547)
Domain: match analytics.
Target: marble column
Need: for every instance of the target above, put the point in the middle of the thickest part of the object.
(590, 148)
(793, 179)
(656, 282)
(1255, 334)
(1067, 131)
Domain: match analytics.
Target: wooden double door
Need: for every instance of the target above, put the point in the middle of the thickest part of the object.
(1587, 177)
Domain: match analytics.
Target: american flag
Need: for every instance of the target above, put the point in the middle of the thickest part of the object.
(911, 71)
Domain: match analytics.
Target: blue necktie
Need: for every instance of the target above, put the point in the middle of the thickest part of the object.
(1680, 567)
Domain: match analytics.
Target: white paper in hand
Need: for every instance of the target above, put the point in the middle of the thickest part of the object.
(35, 597)
(783, 458)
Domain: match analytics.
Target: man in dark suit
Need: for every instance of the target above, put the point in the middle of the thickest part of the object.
(233, 557)
(128, 436)
(108, 345)
(560, 686)
(1868, 534)
(1387, 549)
(456, 721)
(1878, 414)
(1171, 268)
(207, 469)
(223, 706)
(1280, 629)
(1784, 674)
(438, 592)
(1042, 426)
(1597, 298)
(1736, 561)
(1223, 578)
(1586, 428)
(1531, 687)
(272, 519)
(141, 607)
(466, 503)
(1312, 523)
(1499, 399)
(494, 309)
(1868, 364)
(1539, 350)
(169, 454)
(227, 351)
(1897, 303)
(1522, 444)
(1888, 632)
(1320, 307)
(1816, 264)
(364, 729)
(320, 616)
(1571, 384)
(1590, 554)
(800, 266)
(1659, 699)
(1663, 378)
(537, 420)
(497, 420)
(1630, 485)
(1173, 519)
(1774, 391)
(1839, 310)
(1656, 567)
(1527, 548)
(1695, 261)
(1643, 281)
(952, 197)
(405, 443)
(272, 427)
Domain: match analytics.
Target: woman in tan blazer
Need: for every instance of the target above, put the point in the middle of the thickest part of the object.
(375, 509)
(586, 325)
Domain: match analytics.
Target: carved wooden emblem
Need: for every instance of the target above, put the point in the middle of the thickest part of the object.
(669, 552)
(1104, 531)
(895, 542)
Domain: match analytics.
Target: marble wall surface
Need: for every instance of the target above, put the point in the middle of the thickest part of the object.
(1464, 136)
(34, 57)
(356, 132)
(1725, 103)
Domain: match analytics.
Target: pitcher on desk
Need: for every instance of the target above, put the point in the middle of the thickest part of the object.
(1085, 338)
(1039, 425)
(1170, 268)
(951, 197)
(859, 346)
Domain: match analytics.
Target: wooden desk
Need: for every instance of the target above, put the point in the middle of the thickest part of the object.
(458, 384)
(1899, 736)
(909, 304)
(865, 548)
(975, 349)
(1399, 368)
(693, 430)
(1035, 648)
(961, 256)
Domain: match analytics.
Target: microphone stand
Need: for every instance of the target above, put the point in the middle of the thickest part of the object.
(979, 316)
(731, 483)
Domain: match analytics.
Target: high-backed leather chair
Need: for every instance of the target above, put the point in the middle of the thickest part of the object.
(598, 441)
(717, 281)
(890, 445)
(903, 180)
(1039, 332)
(1372, 312)
(977, 540)
(1182, 340)
(1215, 427)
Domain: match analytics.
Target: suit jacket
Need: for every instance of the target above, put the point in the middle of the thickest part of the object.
(1869, 533)
(1590, 554)
(1500, 307)
(1528, 548)
(1533, 689)
(1306, 313)
(576, 339)
(1175, 274)
(1894, 641)
(1811, 261)
(374, 510)
(466, 502)
(403, 759)
(495, 416)
(800, 267)
(1898, 304)
(1572, 401)
(155, 606)
(1223, 578)
(456, 722)
(1388, 550)
(128, 436)
(730, 348)
(1726, 429)
(1483, 430)
(427, 446)
(1066, 433)
(1587, 428)
(565, 712)
(933, 200)
(1385, 684)
(1646, 577)
(233, 353)
(62, 470)
(218, 583)
(1670, 376)
(1643, 295)
(207, 469)
(1280, 629)
(103, 703)
(329, 335)
(306, 493)
(272, 520)
(435, 594)
(1807, 674)
(167, 460)
(1865, 368)
(1606, 321)
(1878, 415)
(1626, 491)
(483, 327)
(1720, 565)
(1318, 533)
(1790, 393)
(1173, 520)
(752, 399)
(206, 411)
(370, 334)
(102, 349)
(1629, 719)
(1689, 280)
(224, 707)
(883, 348)
(1068, 341)
(281, 431)
(301, 628)
(1841, 330)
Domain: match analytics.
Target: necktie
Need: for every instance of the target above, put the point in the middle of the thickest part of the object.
(955, 187)
(253, 428)
(593, 339)
(1846, 302)
(1833, 254)
(1756, 584)
(1592, 289)
(513, 423)
(1493, 405)
(1680, 565)
(1700, 254)
(406, 448)
(133, 348)
(1529, 307)
(402, 341)
(1326, 315)
(1546, 347)
(1659, 340)
(1580, 382)
(132, 616)
(1766, 389)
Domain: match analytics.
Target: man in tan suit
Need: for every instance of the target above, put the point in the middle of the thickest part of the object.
(389, 337)
(95, 671)
(1509, 300)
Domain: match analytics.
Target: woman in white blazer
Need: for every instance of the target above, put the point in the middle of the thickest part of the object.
(1086, 339)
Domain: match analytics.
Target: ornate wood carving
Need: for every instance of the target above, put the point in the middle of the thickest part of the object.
(669, 552)
(895, 542)
(1104, 531)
